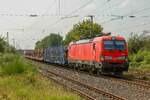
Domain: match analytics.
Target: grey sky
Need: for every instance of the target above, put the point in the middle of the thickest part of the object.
(14, 17)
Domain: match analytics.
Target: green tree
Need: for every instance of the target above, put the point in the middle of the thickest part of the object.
(85, 29)
(49, 41)
(138, 42)
(3, 45)
(38, 45)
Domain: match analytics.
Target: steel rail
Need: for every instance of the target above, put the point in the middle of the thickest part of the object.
(95, 89)
(82, 94)
(138, 83)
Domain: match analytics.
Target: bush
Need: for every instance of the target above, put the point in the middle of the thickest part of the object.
(14, 67)
(3, 44)
(5, 58)
(13, 64)
(141, 59)
(138, 42)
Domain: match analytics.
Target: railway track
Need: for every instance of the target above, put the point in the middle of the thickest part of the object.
(83, 89)
(82, 94)
(139, 83)
(142, 84)
(112, 85)
(134, 82)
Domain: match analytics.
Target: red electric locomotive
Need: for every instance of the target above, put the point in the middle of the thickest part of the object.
(105, 54)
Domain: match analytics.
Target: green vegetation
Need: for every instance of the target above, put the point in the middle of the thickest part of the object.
(83, 30)
(20, 87)
(139, 55)
(140, 60)
(12, 64)
(49, 41)
(19, 80)
(80, 30)
(139, 50)
(138, 42)
(4, 47)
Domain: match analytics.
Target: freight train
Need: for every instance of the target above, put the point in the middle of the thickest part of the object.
(104, 54)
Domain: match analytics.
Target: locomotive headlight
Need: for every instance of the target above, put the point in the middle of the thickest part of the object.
(102, 57)
(122, 58)
(108, 57)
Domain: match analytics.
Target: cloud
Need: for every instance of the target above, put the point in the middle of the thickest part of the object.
(124, 3)
(89, 9)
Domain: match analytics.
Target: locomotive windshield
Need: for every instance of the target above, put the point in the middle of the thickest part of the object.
(114, 45)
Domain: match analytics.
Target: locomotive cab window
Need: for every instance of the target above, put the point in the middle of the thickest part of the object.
(108, 45)
(114, 44)
(120, 45)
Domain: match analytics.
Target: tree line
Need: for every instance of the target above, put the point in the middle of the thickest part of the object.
(81, 30)
(88, 29)
(139, 50)
(5, 47)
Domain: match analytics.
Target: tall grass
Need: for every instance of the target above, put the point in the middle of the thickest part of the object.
(140, 60)
(20, 81)
(17, 87)
(12, 64)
